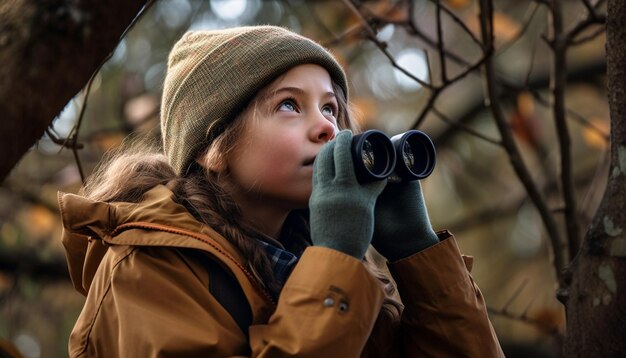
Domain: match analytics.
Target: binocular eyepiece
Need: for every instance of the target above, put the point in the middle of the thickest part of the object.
(405, 157)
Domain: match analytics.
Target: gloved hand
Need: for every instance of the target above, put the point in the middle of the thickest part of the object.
(401, 224)
(341, 209)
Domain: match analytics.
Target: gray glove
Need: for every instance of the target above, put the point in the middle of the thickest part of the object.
(402, 227)
(342, 210)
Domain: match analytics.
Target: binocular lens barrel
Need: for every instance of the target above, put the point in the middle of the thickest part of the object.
(411, 154)
(418, 155)
(373, 155)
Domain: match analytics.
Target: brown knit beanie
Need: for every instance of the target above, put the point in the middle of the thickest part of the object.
(212, 75)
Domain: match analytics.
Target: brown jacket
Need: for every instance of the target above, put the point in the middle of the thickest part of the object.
(142, 269)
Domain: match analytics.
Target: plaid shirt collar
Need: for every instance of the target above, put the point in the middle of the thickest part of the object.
(282, 261)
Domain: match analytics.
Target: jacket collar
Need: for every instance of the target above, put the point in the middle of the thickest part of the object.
(86, 222)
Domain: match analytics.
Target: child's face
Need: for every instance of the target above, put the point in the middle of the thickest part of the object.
(295, 116)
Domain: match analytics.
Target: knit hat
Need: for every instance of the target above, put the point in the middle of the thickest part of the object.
(212, 75)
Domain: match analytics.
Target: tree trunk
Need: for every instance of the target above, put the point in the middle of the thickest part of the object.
(48, 51)
(596, 303)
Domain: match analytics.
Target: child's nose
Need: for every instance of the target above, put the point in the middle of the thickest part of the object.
(323, 130)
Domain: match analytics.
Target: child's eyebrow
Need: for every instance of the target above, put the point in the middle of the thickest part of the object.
(298, 91)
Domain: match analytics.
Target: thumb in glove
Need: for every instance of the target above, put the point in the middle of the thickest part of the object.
(341, 209)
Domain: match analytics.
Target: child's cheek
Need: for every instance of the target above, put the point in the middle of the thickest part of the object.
(283, 155)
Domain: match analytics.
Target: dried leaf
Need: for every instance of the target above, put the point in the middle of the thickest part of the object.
(37, 221)
(505, 27)
(591, 136)
(523, 121)
(457, 4)
(550, 317)
(389, 10)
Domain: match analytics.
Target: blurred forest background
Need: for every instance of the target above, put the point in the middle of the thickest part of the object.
(398, 81)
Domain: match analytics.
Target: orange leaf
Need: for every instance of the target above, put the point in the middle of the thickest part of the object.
(37, 221)
(505, 27)
(525, 104)
(390, 11)
(591, 136)
(523, 121)
(457, 4)
(550, 317)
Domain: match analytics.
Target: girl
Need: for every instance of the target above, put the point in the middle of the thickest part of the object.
(247, 236)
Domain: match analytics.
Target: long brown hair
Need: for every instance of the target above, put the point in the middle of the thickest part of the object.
(125, 175)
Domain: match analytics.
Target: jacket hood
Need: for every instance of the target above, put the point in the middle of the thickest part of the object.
(89, 227)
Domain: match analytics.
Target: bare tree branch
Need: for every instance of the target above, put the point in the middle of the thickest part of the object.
(583, 39)
(371, 35)
(440, 46)
(557, 84)
(73, 136)
(553, 331)
(427, 108)
(457, 21)
(523, 317)
(577, 116)
(40, 62)
(465, 128)
(498, 210)
(590, 20)
(589, 7)
(528, 18)
(486, 18)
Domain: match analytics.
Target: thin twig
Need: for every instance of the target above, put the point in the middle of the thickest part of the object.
(530, 303)
(469, 70)
(531, 66)
(371, 35)
(554, 330)
(575, 115)
(458, 21)
(413, 29)
(528, 18)
(523, 317)
(353, 30)
(589, 7)
(581, 26)
(440, 45)
(434, 93)
(64, 143)
(75, 130)
(557, 83)
(508, 207)
(465, 127)
(583, 39)
(438, 90)
(428, 65)
(514, 296)
(486, 16)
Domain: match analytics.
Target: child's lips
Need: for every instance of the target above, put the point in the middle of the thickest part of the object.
(309, 161)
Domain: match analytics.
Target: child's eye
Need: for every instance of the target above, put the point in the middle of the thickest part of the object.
(329, 111)
(287, 106)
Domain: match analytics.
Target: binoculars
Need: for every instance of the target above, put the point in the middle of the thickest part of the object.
(405, 157)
